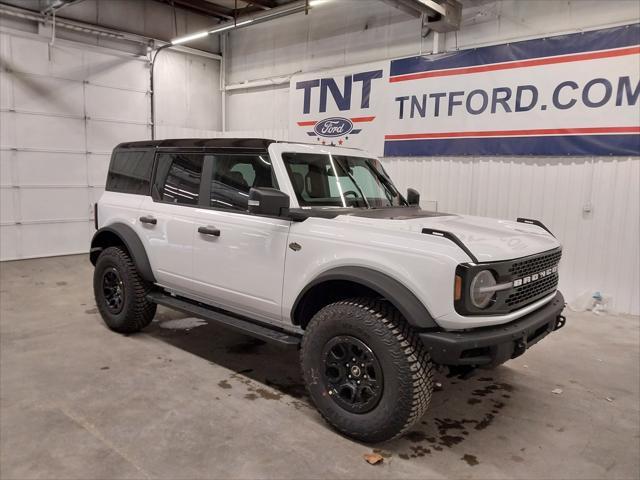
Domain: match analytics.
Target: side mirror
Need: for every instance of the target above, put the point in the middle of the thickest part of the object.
(413, 197)
(268, 201)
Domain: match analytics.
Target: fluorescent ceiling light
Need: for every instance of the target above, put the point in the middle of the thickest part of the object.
(315, 3)
(189, 38)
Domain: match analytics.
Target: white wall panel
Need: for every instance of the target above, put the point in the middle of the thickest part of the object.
(7, 129)
(117, 104)
(31, 55)
(187, 91)
(6, 89)
(98, 165)
(41, 204)
(103, 136)
(7, 205)
(47, 168)
(259, 109)
(48, 95)
(68, 238)
(117, 71)
(46, 132)
(9, 241)
(6, 168)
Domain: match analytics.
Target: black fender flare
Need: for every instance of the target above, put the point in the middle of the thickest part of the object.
(411, 308)
(103, 238)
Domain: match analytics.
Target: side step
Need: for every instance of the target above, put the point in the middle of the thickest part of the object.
(246, 327)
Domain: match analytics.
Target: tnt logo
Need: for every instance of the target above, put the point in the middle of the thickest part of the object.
(342, 98)
(337, 127)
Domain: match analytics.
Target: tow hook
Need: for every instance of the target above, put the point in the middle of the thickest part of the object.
(560, 321)
(520, 347)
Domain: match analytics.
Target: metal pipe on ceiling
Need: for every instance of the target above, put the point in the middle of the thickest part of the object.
(251, 19)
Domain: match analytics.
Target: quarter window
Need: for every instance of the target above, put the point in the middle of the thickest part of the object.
(130, 171)
(235, 175)
(178, 177)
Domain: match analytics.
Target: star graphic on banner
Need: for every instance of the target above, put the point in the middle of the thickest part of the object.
(340, 142)
(323, 142)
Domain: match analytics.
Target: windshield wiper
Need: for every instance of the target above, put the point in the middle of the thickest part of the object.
(389, 187)
(353, 180)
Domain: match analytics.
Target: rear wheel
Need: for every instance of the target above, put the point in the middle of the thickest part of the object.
(121, 293)
(366, 369)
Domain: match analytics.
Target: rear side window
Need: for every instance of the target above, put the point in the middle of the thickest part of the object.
(235, 175)
(130, 171)
(178, 177)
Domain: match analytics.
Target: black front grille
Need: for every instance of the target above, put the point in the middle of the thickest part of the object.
(534, 277)
(535, 265)
(529, 291)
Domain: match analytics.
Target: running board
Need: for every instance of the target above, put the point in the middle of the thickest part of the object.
(240, 325)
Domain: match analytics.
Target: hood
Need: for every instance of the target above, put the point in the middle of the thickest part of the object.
(488, 239)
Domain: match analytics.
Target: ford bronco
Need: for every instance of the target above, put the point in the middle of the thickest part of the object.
(314, 247)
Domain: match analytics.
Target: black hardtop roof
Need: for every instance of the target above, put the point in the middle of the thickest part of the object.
(230, 143)
(240, 143)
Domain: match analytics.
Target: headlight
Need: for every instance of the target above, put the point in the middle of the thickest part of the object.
(481, 290)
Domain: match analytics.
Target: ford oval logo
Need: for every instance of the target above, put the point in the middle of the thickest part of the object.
(333, 127)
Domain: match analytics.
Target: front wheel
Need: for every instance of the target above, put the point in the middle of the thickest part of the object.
(366, 369)
(121, 293)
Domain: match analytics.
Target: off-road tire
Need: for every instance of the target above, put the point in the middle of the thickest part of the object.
(137, 312)
(406, 366)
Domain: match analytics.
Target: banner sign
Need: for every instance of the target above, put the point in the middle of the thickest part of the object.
(575, 94)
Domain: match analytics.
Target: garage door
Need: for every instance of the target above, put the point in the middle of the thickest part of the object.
(63, 109)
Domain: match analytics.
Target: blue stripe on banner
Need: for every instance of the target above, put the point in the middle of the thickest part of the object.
(547, 145)
(615, 37)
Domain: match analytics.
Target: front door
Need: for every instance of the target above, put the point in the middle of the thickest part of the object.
(238, 257)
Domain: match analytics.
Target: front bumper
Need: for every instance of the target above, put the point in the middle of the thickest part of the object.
(492, 346)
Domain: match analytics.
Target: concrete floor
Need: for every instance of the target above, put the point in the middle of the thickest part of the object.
(78, 401)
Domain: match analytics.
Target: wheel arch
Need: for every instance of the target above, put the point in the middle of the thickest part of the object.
(350, 281)
(120, 234)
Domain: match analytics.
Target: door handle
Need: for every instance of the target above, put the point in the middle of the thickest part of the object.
(149, 220)
(209, 230)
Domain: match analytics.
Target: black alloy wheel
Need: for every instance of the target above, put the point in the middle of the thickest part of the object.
(113, 290)
(352, 374)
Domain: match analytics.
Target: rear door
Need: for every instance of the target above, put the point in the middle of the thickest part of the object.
(167, 218)
(239, 257)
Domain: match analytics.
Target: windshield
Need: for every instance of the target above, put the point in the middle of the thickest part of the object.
(340, 181)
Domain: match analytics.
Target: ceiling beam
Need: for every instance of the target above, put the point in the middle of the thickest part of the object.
(263, 4)
(202, 6)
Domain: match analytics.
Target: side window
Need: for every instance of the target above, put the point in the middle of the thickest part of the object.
(235, 175)
(178, 177)
(130, 171)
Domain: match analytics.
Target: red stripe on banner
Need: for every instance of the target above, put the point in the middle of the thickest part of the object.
(307, 124)
(535, 62)
(515, 133)
(362, 119)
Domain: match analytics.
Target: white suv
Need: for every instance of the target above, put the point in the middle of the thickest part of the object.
(314, 246)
